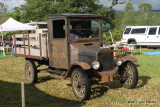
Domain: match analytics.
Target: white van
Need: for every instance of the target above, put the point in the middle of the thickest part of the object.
(142, 35)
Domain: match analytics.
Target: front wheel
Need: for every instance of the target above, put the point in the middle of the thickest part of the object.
(129, 74)
(80, 84)
(30, 71)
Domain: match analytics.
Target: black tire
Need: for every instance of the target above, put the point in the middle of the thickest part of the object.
(130, 73)
(80, 84)
(30, 71)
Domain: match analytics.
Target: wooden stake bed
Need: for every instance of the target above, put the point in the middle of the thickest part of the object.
(31, 46)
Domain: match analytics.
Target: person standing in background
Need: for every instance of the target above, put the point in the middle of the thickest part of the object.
(13, 45)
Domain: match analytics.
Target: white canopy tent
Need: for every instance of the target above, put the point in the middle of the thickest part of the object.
(13, 25)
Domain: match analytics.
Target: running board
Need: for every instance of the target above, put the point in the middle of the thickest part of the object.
(54, 73)
(56, 76)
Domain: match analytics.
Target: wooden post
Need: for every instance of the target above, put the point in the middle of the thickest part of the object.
(29, 45)
(40, 43)
(14, 47)
(24, 45)
(23, 94)
(47, 45)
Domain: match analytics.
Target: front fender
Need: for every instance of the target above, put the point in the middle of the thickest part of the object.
(128, 58)
(82, 65)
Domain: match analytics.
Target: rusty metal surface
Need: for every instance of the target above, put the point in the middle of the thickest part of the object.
(107, 76)
(58, 48)
(31, 56)
(84, 65)
(129, 58)
(111, 72)
(80, 48)
(59, 54)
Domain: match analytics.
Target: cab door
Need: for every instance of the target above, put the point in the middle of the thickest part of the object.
(152, 37)
(58, 45)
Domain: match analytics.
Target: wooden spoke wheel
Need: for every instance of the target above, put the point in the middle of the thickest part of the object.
(30, 71)
(129, 75)
(81, 84)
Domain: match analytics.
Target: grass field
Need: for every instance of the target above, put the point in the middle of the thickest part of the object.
(57, 93)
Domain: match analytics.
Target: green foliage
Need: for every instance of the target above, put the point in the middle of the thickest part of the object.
(144, 11)
(38, 10)
(3, 10)
(116, 33)
(129, 6)
(33, 10)
(108, 16)
(128, 16)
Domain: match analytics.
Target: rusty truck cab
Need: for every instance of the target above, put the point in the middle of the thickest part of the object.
(64, 46)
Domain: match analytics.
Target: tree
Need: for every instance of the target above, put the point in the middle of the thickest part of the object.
(3, 10)
(144, 10)
(115, 2)
(128, 17)
(38, 10)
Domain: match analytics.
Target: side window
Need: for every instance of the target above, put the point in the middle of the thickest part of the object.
(159, 31)
(152, 31)
(58, 28)
(139, 30)
(127, 31)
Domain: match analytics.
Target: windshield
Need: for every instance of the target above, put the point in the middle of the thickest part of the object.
(80, 29)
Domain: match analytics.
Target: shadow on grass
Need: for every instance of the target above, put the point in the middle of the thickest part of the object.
(10, 96)
(99, 90)
(143, 80)
(44, 79)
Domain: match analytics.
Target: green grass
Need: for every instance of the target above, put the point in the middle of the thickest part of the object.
(58, 93)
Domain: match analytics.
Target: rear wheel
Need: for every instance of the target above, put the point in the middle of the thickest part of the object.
(129, 75)
(30, 71)
(80, 84)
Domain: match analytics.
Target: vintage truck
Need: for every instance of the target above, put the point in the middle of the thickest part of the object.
(83, 58)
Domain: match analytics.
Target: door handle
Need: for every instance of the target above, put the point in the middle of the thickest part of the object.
(147, 36)
(157, 36)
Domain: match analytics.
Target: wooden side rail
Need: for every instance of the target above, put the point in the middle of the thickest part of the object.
(31, 45)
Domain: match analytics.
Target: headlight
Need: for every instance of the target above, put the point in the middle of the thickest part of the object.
(95, 64)
(119, 62)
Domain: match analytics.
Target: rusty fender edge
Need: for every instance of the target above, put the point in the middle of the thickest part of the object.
(82, 65)
(129, 58)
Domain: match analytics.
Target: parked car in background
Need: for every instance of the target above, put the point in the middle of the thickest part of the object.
(142, 35)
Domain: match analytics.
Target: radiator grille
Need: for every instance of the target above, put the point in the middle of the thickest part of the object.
(106, 61)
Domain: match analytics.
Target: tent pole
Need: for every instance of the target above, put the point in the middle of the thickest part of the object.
(3, 45)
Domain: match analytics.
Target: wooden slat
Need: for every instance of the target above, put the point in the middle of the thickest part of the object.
(32, 45)
(19, 36)
(19, 42)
